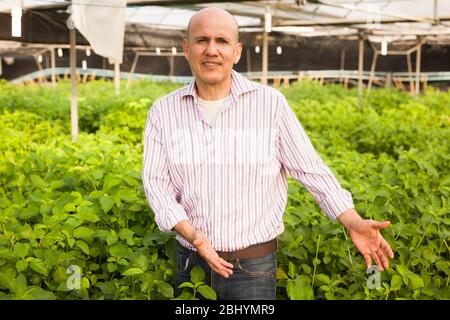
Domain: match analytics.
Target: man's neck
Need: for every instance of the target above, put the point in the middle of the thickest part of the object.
(213, 92)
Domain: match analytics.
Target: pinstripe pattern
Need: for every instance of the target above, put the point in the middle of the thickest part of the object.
(228, 178)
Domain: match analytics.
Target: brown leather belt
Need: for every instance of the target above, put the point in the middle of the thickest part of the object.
(254, 251)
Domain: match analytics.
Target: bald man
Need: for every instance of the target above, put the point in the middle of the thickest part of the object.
(217, 153)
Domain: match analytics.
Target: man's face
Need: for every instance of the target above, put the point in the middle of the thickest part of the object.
(212, 47)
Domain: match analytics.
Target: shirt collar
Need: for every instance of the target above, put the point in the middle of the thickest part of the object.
(239, 86)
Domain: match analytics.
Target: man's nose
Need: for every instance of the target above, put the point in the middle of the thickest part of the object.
(211, 49)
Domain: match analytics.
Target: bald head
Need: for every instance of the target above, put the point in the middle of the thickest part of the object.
(217, 14)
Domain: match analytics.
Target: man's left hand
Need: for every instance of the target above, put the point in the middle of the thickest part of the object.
(366, 236)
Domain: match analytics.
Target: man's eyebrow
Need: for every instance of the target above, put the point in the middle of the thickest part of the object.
(206, 37)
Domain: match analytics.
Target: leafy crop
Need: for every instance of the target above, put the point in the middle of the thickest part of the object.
(70, 207)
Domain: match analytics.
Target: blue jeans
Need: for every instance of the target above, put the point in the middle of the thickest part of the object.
(252, 279)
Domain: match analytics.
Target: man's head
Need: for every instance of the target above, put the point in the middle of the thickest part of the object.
(212, 46)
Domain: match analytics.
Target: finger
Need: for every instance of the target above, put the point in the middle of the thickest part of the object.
(387, 248)
(226, 263)
(368, 260)
(225, 272)
(220, 268)
(377, 260)
(383, 258)
(381, 225)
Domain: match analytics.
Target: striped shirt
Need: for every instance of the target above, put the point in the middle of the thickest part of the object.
(229, 178)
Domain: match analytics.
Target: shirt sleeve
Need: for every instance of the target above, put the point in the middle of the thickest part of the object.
(304, 164)
(158, 186)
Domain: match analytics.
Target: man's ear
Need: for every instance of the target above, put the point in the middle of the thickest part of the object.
(186, 48)
(237, 52)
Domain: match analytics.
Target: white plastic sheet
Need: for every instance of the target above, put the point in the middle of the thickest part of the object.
(102, 23)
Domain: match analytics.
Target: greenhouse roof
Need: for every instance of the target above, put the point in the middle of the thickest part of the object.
(398, 19)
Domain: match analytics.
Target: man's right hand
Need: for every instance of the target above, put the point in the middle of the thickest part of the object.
(207, 252)
(204, 248)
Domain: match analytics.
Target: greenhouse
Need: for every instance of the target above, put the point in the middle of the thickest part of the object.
(91, 184)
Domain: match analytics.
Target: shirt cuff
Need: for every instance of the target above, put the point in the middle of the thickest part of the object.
(336, 205)
(169, 217)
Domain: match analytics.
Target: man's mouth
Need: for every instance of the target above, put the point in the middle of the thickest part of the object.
(211, 63)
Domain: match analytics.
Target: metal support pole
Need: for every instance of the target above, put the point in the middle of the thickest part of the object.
(133, 68)
(171, 65)
(342, 63)
(372, 71)
(73, 79)
(435, 12)
(117, 77)
(342, 59)
(388, 83)
(410, 74)
(265, 56)
(418, 57)
(249, 61)
(53, 63)
(360, 71)
(38, 64)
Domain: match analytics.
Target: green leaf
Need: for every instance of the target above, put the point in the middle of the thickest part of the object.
(83, 246)
(37, 265)
(107, 203)
(107, 287)
(416, 281)
(207, 292)
(125, 234)
(292, 272)
(186, 285)
(132, 271)
(55, 184)
(110, 182)
(320, 279)
(37, 181)
(128, 195)
(21, 265)
(83, 233)
(70, 207)
(147, 281)
(85, 283)
(120, 250)
(21, 249)
(402, 270)
(165, 289)
(300, 289)
(20, 285)
(71, 242)
(29, 212)
(88, 213)
(443, 266)
(7, 278)
(197, 274)
(37, 293)
(60, 274)
(281, 274)
(396, 282)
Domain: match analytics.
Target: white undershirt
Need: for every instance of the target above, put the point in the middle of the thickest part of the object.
(210, 108)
